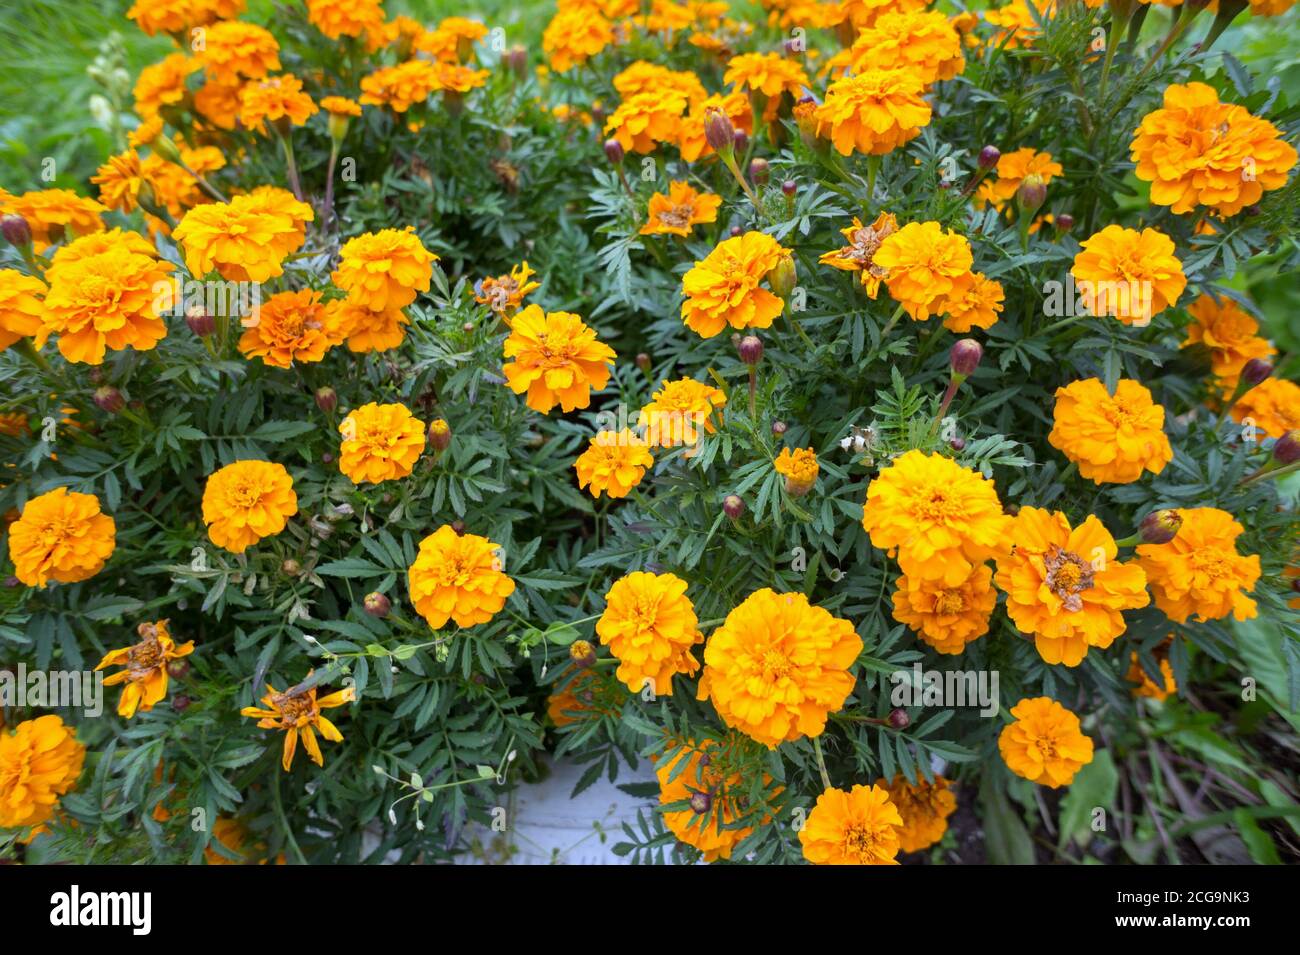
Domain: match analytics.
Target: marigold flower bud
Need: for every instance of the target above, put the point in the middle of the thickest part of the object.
(199, 321)
(789, 188)
(733, 506)
(783, 277)
(16, 230)
(178, 669)
(643, 362)
(165, 148)
(291, 567)
(957, 444)
(337, 126)
(109, 399)
(736, 231)
(458, 527)
(583, 654)
(989, 157)
(1032, 194)
(1064, 222)
(517, 60)
(899, 719)
(614, 151)
(327, 399)
(719, 133)
(376, 604)
(759, 171)
(439, 434)
(751, 349)
(778, 428)
(965, 356)
(1160, 527)
(1255, 371)
(1287, 448)
(740, 140)
(180, 703)
(701, 802)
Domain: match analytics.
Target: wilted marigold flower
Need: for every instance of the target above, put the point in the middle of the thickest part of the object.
(400, 87)
(556, 359)
(234, 50)
(246, 239)
(246, 501)
(859, 255)
(680, 412)
(723, 288)
(649, 625)
(799, 468)
(339, 18)
(385, 269)
(778, 666)
(859, 827)
(924, 265)
(40, 761)
(923, 807)
(54, 215)
(20, 306)
(1196, 151)
(680, 210)
(1230, 335)
(162, 84)
(1273, 406)
(974, 302)
(505, 294)
(457, 577)
(768, 75)
(145, 667)
(1199, 571)
(574, 36)
(921, 42)
(644, 120)
(700, 778)
(1045, 743)
(947, 617)
(1112, 438)
(872, 112)
(274, 99)
(940, 519)
(380, 443)
(613, 464)
(1131, 275)
(1067, 587)
(289, 327)
(61, 536)
(298, 714)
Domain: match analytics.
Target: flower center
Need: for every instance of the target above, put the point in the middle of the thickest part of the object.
(860, 841)
(1046, 748)
(246, 494)
(936, 506)
(678, 217)
(776, 665)
(1211, 562)
(1068, 575)
(949, 601)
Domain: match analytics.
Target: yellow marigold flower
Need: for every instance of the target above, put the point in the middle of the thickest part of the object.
(767, 75)
(940, 519)
(1019, 26)
(163, 84)
(1230, 335)
(1067, 587)
(380, 443)
(613, 464)
(723, 288)
(234, 51)
(863, 13)
(924, 265)
(339, 18)
(1273, 406)
(947, 617)
(385, 269)
(691, 141)
(246, 239)
(218, 103)
(974, 302)
(799, 468)
(61, 536)
(1012, 170)
(1144, 686)
(340, 106)
(457, 577)
(39, 762)
(246, 501)
(778, 666)
(696, 774)
(644, 120)
(1045, 744)
(54, 215)
(276, 99)
(298, 713)
(680, 210)
(680, 412)
(649, 625)
(859, 827)
(1112, 438)
(453, 40)
(860, 253)
(289, 327)
(365, 331)
(119, 181)
(873, 112)
(646, 77)
(455, 79)
(145, 667)
(923, 807)
(1199, 571)
(400, 87)
(504, 294)
(20, 306)
(556, 359)
(177, 16)
(574, 36)
(1196, 151)
(921, 42)
(1128, 274)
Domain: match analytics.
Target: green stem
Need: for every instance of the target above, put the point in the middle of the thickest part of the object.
(821, 763)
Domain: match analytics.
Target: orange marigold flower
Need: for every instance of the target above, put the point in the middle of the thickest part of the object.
(277, 99)
(234, 51)
(583, 694)
(939, 519)
(119, 181)
(863, 13)
(339, 18)
(218, 102)
(556, 359)
(1045, 744)
(1018, 23)
(921, 42)
(924, 808)
(680, 412)
(778, 666)
(20, 306)
(859, 827)
(177, 16)
(574, 36)
(236, 837)
(365, 330)
(1229, 333)
(62, 536)
(860, 253)
(1273, 406)
(873, 112)
(644, 120)
(1144, 686)
(505, 293)
(924, 265)
(385, 269)
(340, 106)
(1112, 438)
(1012, 170)
(723, 288)
(947, 617)
(1067, 587)
(699, 774)
(13, 424)
(613, 464)
(246, 501)
(645, 77)
(680, 210)
(766, 76)
(380, 443)
(453, 40)
(246, 239)
(163, 84)
(799, 468)
(144, 667)
(400, 87)
(54, 215)
(1199, 571)
(298, 713)
(691, 141)
(457, 577)
(39, 762)
(289, 327)
(974, 302)
(1196, 151)
(1128, 274)
(649, 625)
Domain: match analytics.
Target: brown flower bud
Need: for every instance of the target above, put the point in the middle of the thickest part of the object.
(459, 527)
(327, 399)
(989, 157)
(1032, 194)
(751, 349)
(965, 357)
(583, 654)
(643, 362)
(109, 399)
(1255, 371)
(789, 188)
(1064, 222)
(733, 506)
(1287, 448)
(759, 171)
(614, 152)
(718, 131)
(899, 719)
(701, 802)
(439, 434)
(199, 321)
(16, 230)
(291, 567)
(376, 604)
(778, 428)
(181, 703)
(1160, 527)
(517, 60)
